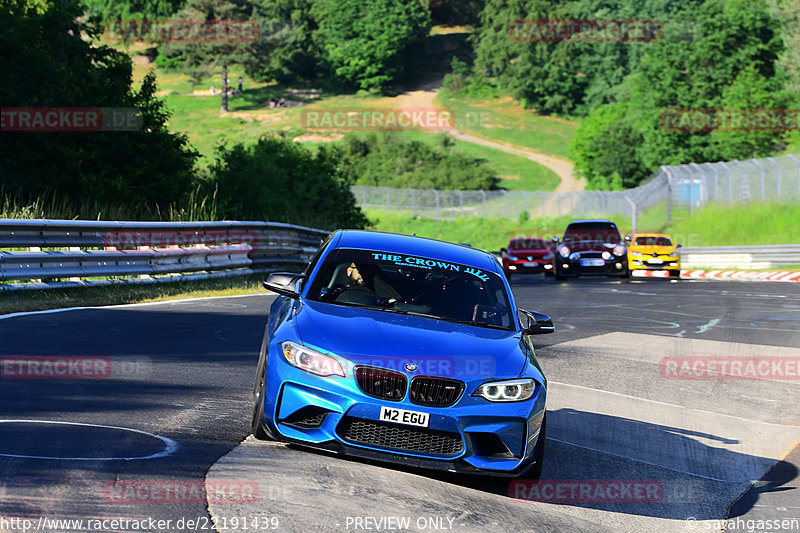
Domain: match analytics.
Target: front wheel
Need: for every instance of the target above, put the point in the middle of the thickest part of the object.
(535, 473)
(258, 427)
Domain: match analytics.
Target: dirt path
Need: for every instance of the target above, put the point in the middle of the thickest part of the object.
(424, 97)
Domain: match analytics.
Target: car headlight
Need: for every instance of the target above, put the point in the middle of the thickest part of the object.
(310, 360)
(512, 257)
(676, 253)
(636, 254)
(563, 252)
(619, 250)
(606, 256)
(548, 257)
(512, 390)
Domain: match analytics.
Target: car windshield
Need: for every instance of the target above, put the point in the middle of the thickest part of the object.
(592, 231)
(652, 241)
(533, 243)
(408, 284)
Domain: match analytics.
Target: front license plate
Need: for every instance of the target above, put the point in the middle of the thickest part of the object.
(532, 264)
(592, 262)
(401, 416)
(655, 262)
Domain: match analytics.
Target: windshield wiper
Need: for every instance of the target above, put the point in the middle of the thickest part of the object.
(447, 319)
(472, 323)
(425, 315)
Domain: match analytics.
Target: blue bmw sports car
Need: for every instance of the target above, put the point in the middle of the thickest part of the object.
(403, 349)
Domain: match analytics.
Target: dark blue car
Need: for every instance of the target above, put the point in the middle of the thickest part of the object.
(403, 349)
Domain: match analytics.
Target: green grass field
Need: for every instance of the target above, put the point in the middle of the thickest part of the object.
(504, 120)
(747, 224)
(196, 113)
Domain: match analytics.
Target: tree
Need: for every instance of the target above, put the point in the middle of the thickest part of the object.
(566, 75)
(365, 40)
(606, 148)
(788, 13)
(111, 10)
(143, 168)
(534, 71)
(728, 62)
(731, 38)
(207, 56)
(296, 52)
(387, 159)
(280, 180)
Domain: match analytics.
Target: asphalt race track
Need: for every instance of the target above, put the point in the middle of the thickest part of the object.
(142, 413)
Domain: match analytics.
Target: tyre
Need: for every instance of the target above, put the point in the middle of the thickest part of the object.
(535, 472)
(258, 426)
(559, 276)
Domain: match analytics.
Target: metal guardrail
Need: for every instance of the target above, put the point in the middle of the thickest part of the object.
(744, 257)
(144, 252)
(87, 253)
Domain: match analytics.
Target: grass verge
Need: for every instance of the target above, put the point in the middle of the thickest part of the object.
(715, 225)
(751, 224)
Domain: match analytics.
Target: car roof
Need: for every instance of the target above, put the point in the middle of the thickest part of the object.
(591, 220)
(650, 234)
(419, 246)
(528, 240)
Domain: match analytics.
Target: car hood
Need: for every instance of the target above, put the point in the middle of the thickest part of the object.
(590, 246)
(532, 253)
(390, 340)
(649, 250)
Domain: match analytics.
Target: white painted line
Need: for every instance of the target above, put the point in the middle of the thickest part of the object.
(673, 405)
(169, 445)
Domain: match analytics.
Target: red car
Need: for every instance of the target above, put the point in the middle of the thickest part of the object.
(530, 254)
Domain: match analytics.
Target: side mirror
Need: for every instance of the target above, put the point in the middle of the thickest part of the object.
(556, 240)
(503, 251)
(284, 283)
(628, 239)
(535, 323)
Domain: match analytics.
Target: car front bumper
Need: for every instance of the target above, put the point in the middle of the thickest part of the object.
(668, 264)
(616, 266)
(523, 267)
(474, 435)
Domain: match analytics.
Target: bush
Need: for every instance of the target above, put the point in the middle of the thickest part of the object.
(279, 180)
(389, 160)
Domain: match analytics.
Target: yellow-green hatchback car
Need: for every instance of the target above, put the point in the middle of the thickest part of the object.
(656, 253)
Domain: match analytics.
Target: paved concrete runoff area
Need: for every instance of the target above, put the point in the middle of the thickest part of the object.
(672, 407)
(699, 460)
